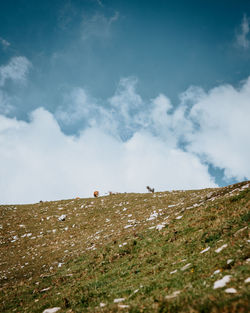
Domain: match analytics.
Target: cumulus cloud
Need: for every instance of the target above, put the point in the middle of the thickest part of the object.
(38, 161)
(76, 107)
(242, 36)
(16, 70)
(221, 128)
(126, 143)
(212, 125)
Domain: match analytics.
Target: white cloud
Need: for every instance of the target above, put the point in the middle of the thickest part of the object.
(77, 106)
(38, 162)
(5, 106)
(221, 129)
(212, 125)
(242, 36)
(16, 70)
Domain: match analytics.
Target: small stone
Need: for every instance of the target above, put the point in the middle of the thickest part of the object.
(222, 282)
(185, 267)
(173, 295)
(119, 300)
(123, 306)
(221, 248)
(231, 290)
(52, 310)
(205, 250)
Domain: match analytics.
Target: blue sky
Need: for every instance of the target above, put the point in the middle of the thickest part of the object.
(162, 74)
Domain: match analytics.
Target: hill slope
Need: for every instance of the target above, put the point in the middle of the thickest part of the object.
(179, 251)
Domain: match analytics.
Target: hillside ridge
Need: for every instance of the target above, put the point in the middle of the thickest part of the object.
(158, 252)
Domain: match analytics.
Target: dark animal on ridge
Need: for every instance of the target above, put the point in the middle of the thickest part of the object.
(150, 189)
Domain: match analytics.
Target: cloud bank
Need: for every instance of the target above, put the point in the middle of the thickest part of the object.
(125, 143)
(38, 162)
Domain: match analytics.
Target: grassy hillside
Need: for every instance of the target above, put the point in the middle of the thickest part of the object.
(179, 251)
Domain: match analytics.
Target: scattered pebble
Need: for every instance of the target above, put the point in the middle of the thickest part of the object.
(52, 310)
(123, 244)
(221, 248)
(240, 231)
(230, 290)
(160, 226)
(185, 267)
(127, 226)
(216, 272)
(173, 295)
(205, 250)
(62, 217)
(45, 289)
(179, 217)
(119, 300)
(247, 280)
(123, 306)
(222, 282)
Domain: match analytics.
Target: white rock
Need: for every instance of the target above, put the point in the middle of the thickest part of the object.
(62, 217)
(230, 290)
(102, 305)
(222, 282)
(205, 250)
(173, 295)
(52, 310)
(186, 266)
(119, 300)
(45, 289)
(240, 231)
(127, 226)
(160, 226)
(221, 248)
(178, 217)
(247, 280)
(216, 272)
(229, 261)
(123, 306)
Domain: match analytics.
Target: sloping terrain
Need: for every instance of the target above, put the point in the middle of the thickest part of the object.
(179, 251)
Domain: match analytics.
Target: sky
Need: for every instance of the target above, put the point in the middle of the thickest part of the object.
(117, 95)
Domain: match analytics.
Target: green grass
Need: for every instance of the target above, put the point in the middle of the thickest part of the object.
(98, 267)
